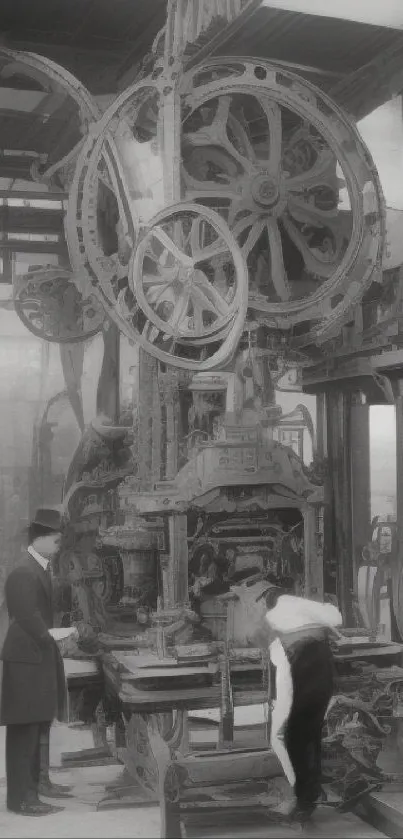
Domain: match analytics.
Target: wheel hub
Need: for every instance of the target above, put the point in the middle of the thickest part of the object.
(265, 191)
(184, 278)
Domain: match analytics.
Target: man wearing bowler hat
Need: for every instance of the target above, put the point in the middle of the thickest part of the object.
(33, 687)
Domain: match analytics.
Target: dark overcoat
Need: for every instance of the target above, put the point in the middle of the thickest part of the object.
(33, 686)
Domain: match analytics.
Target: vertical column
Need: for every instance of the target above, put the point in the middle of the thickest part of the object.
(178, 549)
(108, 394)
(339, 451)
(324, 515)
(168, 596)
(321, 429)
(360, 478)
(147, 377)
(156, 454)
(313, 558)
(399, 480)
(169, 394)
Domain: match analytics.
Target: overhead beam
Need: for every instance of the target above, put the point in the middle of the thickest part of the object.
(33, 247)
(388, 360)
(34, 195)
(94, 67)
(224, 34)
(373, 84)
(129, 67)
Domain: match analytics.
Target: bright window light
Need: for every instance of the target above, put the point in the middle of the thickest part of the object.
(388, 13)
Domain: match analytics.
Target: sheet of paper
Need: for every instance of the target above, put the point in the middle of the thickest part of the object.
(60, 633)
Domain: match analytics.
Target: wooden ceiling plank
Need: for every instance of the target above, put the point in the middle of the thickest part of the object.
(372, 85)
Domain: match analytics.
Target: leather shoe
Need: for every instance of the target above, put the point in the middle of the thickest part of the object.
(38, 808)
(49, 790)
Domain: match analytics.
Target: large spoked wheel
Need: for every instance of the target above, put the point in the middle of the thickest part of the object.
(187, 296)
(279, 162)
(294, 181)
(187, 275)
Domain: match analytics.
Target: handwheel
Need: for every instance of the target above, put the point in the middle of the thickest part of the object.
(188, 276)
(186, 298)
(51, 306)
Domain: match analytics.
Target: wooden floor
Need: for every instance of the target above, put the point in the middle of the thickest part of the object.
(326, 823)
(82, 819)
(385, 810)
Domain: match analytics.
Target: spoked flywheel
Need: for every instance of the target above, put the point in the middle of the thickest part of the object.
(291, 176)
(186, 297)
(283, 170)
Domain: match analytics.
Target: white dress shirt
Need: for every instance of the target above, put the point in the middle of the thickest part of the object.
(44, 563)
(292, 613)
(289, 615)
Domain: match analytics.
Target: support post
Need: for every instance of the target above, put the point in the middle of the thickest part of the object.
(108, 386)
(399, 470)
(178, 548)
(338, 410)
(360, 478)
(313, 560)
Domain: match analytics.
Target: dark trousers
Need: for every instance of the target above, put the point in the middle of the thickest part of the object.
(303, 741)
(23, 762)
(312, 675)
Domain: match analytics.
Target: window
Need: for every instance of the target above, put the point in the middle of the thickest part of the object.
(35, 203)
(385, 540)
(33, 237)
(22, 262)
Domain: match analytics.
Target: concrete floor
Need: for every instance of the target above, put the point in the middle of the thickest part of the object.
(81, 819)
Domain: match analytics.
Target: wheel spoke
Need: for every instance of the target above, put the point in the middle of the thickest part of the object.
(217, 248)
(322, 173)
(202, 304)
(164, 279)
(155, 295)
(209, 298)
(211, 135)
(167, 243)
(180, 311)
(150, 332)
(273, 114)
(243, 224)
(248, 148)
(338, 222)
(196, 190)
(197, 317)
(179, 236)
(196, 236)
(308, 213)
(278, 274)
(216, 134)
(222, 113)
(201, 253)
(254, 234)
(312, 263)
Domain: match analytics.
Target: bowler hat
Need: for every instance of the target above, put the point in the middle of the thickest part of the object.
(48, 518)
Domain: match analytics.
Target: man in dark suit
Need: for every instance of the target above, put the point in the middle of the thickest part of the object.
(33, 687)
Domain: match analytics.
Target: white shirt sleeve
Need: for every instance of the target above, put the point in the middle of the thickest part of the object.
(281, 707)
(291, 613)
